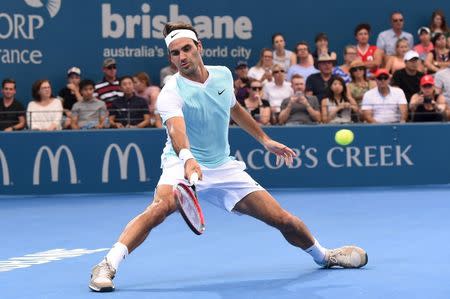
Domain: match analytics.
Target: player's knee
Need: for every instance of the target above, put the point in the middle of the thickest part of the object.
(165, 204)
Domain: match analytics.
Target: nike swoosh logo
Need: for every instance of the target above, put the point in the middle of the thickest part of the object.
(220, 92)
(174, 35)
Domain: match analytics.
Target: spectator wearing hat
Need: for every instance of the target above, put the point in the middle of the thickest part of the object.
(12, 112)
(299, 108)
(408, 78)
(384, 103)
(369, 54)
(321, 41)
(305, 65)
(439, 58)
(425, 45)
(242, 82)
(442, 84)
(316, 84)
(70, 94)
(108, 89)
(427, 105)
(262, 70)
(387, 39)
(281, 56)
(360, 84)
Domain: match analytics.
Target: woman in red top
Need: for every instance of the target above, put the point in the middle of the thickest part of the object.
(369, 54)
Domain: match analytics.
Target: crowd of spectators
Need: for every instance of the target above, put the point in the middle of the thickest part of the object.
(395, 80)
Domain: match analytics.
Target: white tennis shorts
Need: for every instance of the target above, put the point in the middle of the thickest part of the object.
(223, 186)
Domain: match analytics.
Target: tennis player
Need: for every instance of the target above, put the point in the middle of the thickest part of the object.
(196, 105)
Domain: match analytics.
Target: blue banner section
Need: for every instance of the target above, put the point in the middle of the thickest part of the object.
(129, 160)
(43, 39)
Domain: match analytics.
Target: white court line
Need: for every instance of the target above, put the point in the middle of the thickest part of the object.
(44, 257)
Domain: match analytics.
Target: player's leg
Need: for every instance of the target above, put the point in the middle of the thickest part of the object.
(261, 205)
(133, 235)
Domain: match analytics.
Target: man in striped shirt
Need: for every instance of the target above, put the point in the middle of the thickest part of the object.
(108, 90)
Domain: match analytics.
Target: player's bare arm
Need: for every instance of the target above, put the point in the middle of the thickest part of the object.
(245, 121)
(177, 132)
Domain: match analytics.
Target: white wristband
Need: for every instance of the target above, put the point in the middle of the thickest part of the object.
(185, 155)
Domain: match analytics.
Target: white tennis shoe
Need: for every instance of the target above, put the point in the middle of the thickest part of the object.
(346, 257)
(102, 276)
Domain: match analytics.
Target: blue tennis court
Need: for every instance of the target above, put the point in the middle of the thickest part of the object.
(50, 244)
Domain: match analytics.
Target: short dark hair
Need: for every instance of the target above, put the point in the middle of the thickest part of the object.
(124, 78)
(35, 89)
(171, 26)
(86, 82)
(8, 80)
(362, 26)
(304, 43)
(320, 36)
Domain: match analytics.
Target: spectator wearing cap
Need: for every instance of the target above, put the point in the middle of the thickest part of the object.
(439, 58)
(305, 65)
(316, 84)
(242, 82)
(108, 89)
(427, 105)
(262, 70)
(387, 39)
(70, 94)
(408, 78)
(360, 84)
(12, 112)
(425, 45)
(129, 111)
(281, 56)
(277, 90)
(397, 62)
(384, 103)
(442, 84)
(369, 54)
(321, 41)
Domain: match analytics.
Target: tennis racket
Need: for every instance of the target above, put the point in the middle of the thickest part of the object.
(188, 205)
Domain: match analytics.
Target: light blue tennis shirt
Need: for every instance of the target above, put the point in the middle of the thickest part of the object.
(206, 111)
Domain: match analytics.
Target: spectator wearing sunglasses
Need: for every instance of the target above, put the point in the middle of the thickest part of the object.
(360, 84)
(384, 103)
(427, 105)
(108, 89)
(258, 107)
(387, 39)
(277, 90)
(408, 78)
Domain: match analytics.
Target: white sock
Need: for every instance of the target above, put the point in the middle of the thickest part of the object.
(317, 252)
(117, 254)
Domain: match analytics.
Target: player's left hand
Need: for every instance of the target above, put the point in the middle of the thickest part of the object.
(283, 153)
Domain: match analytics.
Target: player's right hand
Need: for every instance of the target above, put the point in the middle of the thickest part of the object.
(190, 167)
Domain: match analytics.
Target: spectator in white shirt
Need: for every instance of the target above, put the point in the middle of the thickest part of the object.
(384, 103)
(277, 90)
(44, 112)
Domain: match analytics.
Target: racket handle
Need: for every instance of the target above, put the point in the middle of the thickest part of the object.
(193, 179)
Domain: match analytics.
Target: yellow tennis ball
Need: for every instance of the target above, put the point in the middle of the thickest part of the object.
(344, 137)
